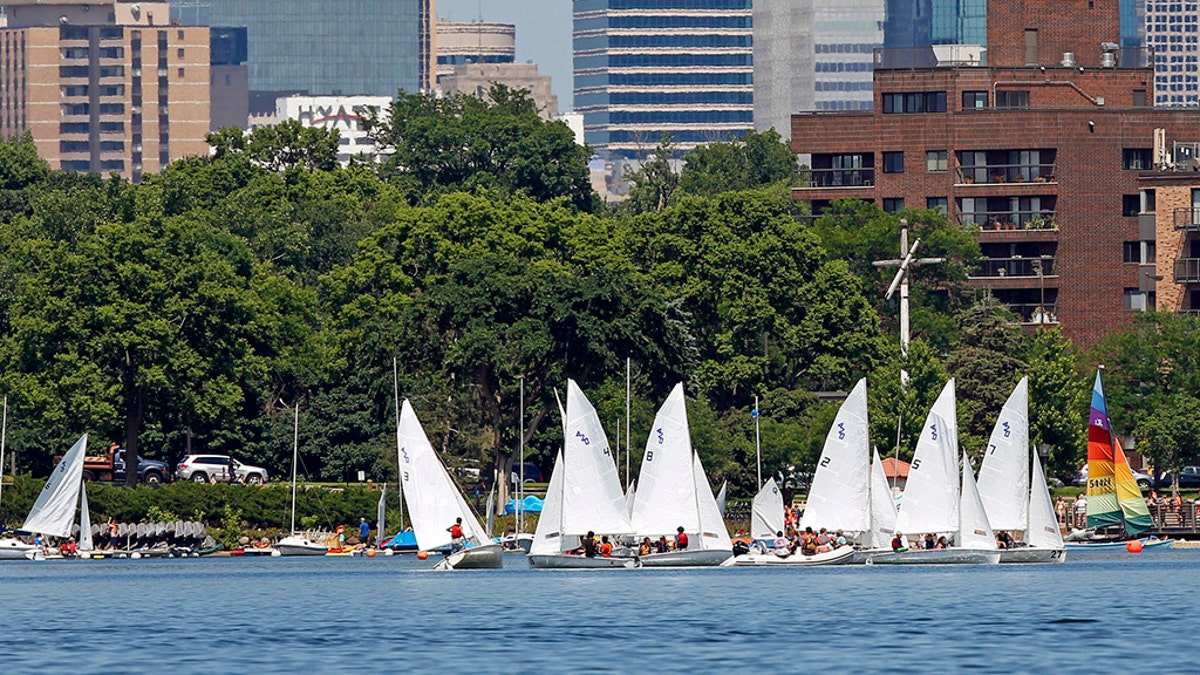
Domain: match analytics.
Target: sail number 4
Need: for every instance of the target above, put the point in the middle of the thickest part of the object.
(1105, 482)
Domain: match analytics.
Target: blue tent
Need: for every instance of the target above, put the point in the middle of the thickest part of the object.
(530, 504)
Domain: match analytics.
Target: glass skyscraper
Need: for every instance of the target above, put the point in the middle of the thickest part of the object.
(351, 47)
(644, 68)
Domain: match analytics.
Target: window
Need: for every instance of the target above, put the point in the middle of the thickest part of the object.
(1131, 253)
(1149, 198)
(1136, 159)
(1012, 99)
(1031, 47)
(1135, 300)
(181, 73)
(936, 161)
(1139, 98)
(974, 99)
(893, 162)
(180, 52)
(1131, 205)
(893, 204)
(937, 203)
(914, 102)
(75, 90)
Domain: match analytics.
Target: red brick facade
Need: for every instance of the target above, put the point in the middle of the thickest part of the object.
(1024, 32)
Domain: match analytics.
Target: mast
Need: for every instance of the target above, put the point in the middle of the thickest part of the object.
(628, 367)
(757, 446)
(521, 489)
(396, 396)
(3, 437)
(295, 457)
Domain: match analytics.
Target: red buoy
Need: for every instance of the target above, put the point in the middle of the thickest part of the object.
(423, 555)
(1134, 546)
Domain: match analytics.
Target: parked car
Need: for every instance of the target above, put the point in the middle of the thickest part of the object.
(1144, 481)
(203, 468)
(1189, 477)
(532, 474)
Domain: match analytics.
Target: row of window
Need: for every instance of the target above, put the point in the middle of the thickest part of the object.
(608, 61)
(661, 41)
(842, 85)
(844, 67)
(86, 127)
(662, 79)
(744, 98)
(85, 108)
(665, 21)
(618, 5)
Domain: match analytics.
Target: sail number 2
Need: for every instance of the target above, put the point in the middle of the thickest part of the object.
(582, 437)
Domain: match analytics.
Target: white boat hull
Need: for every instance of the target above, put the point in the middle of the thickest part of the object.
(563, 561)
(1033, 554)
(863, 554)
(938, 556)
(839, 556)
(689, 558)
(13, 549)
(1110, 546)
(488, 557)
(297, 545)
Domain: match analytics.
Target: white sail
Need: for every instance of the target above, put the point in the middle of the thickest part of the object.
(630, 496)
(434, 501)
(85, 521)
(548, 538)
(1043, 529)
(721, 497)
(839, 498)
(592, 496)
(54, 511)
(766, 514)
(1004, 473)
(974, 530)
(666, 491)
(713, 533)
(883, 507)
(931, 500)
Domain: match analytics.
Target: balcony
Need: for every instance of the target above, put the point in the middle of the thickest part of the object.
(1187, 271)
(834, 178)
(1017, 267)
(996, 174)
(1034, 314)
(1187, 220)
(994, 221)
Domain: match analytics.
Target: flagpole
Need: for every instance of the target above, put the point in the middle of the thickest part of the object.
(757, 443)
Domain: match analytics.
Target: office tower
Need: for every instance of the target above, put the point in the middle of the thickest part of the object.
(645, 68)
(1171, 31)
(473, 56)
(104, 86)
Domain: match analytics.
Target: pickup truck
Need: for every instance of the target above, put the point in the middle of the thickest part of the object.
(111, 467)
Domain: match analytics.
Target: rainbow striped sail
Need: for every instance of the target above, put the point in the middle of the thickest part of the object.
(1113, 496)
(1103, 509)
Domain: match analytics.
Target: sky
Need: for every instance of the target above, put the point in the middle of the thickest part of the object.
(543, 34)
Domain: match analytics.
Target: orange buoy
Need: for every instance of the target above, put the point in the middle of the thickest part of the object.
(1134, 546)
(421, 555)
(370, 553)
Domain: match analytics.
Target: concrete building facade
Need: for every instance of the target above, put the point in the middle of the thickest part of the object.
(645, 68)
(104, 86)
(1043, 159)
(478, 42)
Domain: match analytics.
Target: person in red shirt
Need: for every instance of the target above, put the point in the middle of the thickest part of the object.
(456, 533)
(681, 539)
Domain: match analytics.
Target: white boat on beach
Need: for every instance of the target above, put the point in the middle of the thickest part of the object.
(584, 494)
(673, 492)
(933, 502)
(296, 543)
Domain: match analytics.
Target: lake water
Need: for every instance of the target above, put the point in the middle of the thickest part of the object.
(1095, 613)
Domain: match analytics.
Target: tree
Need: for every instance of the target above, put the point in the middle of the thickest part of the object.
(460, 142)
(897, 412)
(654, 182)
(287, 145)
(1171, 434)
(753, 161)
(1057, 401)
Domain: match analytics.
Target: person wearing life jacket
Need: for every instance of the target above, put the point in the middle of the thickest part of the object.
(456, 533)
(589, 545)
(606, 547)
(681, 539)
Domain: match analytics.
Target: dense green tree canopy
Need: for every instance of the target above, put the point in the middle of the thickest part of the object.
(755, 160)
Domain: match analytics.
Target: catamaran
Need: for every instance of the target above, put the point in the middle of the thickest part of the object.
(933, 502)
(1013, 502)
(584, 494)
(1113, 497)
(436, 504)
(673, 492)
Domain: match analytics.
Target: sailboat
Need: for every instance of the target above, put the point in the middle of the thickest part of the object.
(584, 494)
(1013, 502)
(435, 503)
(674, 493)
(11, 548)
(766, 512)
(1113, 497)
(53, 513)
(933, 500)
(297, 543)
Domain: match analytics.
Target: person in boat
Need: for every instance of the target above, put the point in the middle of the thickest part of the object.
(808, 542)
(681, 539)
(840, 540)
(68, 548)
(456, 533)
(824, 541)
(606, 547)
(662, 546)
(645, 548)
(942, 543)
(781, 545)
(929, 542)
(589, 545)
(898, 543)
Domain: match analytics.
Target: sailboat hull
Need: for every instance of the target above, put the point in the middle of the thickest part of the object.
(839, 556)
(562, 561)
(488, 557)
(938, 556)
(12, 549)
(693, 558)
(1033, 554)
(297, 545)
(1110, 546)
(861, 556)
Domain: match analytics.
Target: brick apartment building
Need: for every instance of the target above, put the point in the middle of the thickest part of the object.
(1040, 143)
(104, 85)
(1170, 232)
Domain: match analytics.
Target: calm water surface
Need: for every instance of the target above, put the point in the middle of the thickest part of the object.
(1097, 613)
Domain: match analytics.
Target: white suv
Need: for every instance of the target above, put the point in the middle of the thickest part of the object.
(225, 469)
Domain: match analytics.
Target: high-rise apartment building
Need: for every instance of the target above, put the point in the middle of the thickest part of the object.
(104, 86)
(362, 47)
(1173, 33)
(1043, 158)
(645, 68)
